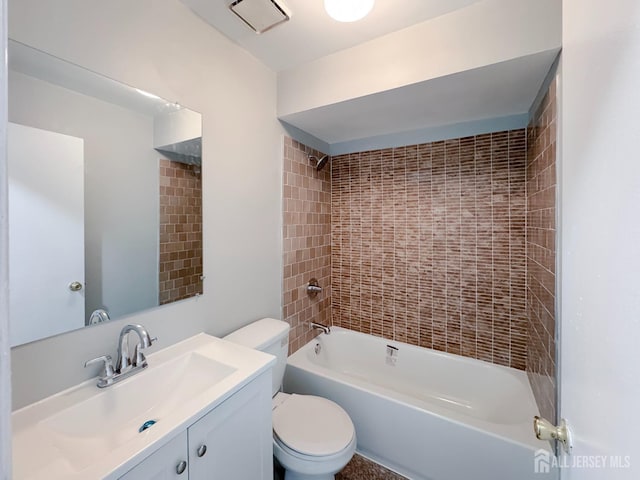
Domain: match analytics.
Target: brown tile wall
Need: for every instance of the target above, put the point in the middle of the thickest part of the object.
(180, 231)
(541, 253)
(307, 242)
(428, 245)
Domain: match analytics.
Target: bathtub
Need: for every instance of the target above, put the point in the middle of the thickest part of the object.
(425, 414)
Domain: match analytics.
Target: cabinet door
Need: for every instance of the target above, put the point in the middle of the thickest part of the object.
(237, 437)
(163, 463)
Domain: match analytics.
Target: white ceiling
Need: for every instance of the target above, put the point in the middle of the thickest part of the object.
(311, 33)
(501, 90)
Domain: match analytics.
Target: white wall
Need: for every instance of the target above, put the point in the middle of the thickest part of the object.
(600, 233)
(5, 360)
(176, 127)
(462, 40)
(161, 47)
(121, 189)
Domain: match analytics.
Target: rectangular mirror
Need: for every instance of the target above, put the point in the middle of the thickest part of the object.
(105, 197)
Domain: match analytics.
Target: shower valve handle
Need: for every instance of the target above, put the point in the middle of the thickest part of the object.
(313, 288)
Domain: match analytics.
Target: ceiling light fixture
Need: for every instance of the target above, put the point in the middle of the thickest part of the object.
(348, 10)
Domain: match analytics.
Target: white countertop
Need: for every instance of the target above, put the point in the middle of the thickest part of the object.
(87, 432)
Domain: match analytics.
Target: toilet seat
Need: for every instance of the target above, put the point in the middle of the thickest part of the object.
(309, 459)
(312, 426)
(298, 466)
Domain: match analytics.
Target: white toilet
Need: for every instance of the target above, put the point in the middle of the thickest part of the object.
(313, 438)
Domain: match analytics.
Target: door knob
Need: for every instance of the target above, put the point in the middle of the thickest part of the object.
(75, 286)
(545, 430)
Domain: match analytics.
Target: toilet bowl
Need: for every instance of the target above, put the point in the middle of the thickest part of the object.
(313, 438)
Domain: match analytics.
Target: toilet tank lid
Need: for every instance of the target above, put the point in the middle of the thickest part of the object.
(260, 333)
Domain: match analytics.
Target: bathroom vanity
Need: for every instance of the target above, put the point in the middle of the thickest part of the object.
(201, 406)
(222, 441)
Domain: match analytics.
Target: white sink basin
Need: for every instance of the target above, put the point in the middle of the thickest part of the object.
(87, 431)
(94, 427)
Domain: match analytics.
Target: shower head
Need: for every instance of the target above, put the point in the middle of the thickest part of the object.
(320, 162)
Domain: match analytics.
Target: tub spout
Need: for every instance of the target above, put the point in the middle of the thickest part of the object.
(319, 326)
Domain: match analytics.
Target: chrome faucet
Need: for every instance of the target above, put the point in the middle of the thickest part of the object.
(125, 362)
(125, 365)
(319, 326)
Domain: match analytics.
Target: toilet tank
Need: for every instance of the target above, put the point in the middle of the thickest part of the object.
(270, 336)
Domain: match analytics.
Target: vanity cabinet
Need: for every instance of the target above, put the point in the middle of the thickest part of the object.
(232, 441)
(163, 463)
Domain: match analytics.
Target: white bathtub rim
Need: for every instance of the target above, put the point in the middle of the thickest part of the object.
(298, 360)
(531, 445)
(433, 351)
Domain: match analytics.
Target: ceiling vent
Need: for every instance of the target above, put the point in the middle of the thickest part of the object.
(260, 15)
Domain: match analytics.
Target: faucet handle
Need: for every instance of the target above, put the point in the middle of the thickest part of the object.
(108, 370)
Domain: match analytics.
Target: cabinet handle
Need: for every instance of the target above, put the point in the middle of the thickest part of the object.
(202, 449)
(181, 467)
